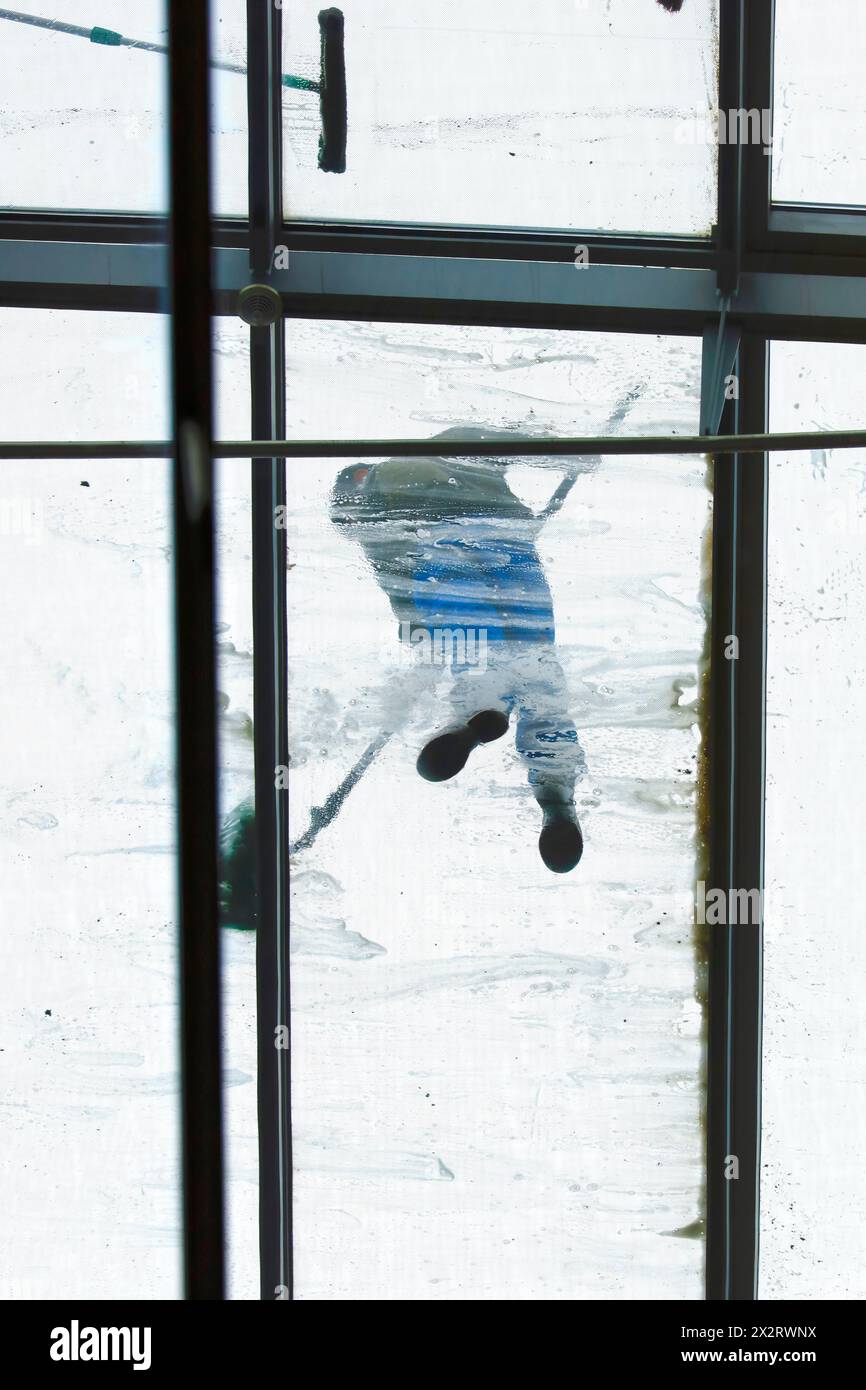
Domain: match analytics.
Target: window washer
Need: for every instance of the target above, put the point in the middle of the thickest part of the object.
(454, 550)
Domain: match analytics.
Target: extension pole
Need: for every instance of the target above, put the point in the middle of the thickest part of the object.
(110, 38)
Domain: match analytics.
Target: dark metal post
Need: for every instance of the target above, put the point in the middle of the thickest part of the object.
(270, 673)
(731, 90)
(758, 66)
(737, 774)
(195, 663)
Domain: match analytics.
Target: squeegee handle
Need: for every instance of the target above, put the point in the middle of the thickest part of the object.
(110, 38)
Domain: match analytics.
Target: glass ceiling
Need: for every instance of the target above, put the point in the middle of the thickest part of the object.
(589, 114)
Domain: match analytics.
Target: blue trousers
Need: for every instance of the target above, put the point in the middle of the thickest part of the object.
(484, 595)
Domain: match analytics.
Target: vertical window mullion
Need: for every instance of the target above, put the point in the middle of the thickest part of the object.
(759, 45)
(736, 849)
(270, 671)
(201, 1068)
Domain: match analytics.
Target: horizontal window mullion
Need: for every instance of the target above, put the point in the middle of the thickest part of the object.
(514, 446)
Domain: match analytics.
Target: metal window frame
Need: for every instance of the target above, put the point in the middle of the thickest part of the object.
(737, 696)
(270, 670)
(766, 271)
(195, 658)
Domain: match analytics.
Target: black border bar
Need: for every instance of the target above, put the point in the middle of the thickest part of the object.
(201, 1041)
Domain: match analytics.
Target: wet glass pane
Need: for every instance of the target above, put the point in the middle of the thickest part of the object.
(813, 1198)
(89, 1067)
(80, 375)
(90, 1064)
(819, 128)
(229, 120)
(497, 1083)
(84, 122)
(571, 115)
(234, 647)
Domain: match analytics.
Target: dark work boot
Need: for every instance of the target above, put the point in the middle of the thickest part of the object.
(445, 756)
(560, 843)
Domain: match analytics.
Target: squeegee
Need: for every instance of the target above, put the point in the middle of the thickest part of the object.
(331, 85)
